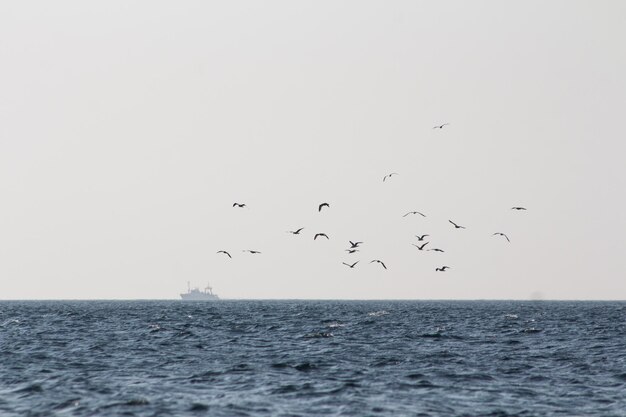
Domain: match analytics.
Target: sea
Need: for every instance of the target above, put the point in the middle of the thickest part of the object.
(312, 358)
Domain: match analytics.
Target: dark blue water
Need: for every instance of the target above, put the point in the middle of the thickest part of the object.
(306, 358)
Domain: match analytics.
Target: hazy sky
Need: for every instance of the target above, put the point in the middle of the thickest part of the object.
(128, 129)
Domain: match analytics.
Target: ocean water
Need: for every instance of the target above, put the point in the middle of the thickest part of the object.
(312, 358)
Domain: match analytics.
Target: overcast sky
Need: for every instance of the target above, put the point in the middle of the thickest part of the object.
(128, 129)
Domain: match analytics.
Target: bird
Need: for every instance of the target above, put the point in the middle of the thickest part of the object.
(389, 176)
(420, 247)
(251, 251)
(440, 126)
(420, 238)
(223, 251)
(456, 225)
(352, 250)
(297, 232)
(351, 266)
(240, 205)
(442, 269)
(436, 250)
(414, 212)
(320, 235)
(380, 262)
(502, 234)
(321, 206)
(354, 245)
(518, 208)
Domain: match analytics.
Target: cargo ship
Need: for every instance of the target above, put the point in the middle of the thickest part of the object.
(194, 294)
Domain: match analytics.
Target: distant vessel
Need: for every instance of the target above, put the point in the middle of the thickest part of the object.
(194, 294)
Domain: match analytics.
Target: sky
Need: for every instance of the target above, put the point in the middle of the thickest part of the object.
(128, 130)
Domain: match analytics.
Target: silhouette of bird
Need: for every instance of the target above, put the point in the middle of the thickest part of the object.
(440, 126)
(502, 234)
(354, 245)
(420, 247)
(320, 235)
(251, 251)
(414, 212)
(297, 232)
(456, 226)
(436, 250)
(321, 206)
(239, 205)
(352, 250)
(389, 176)
(442, 269)
(380, 262)
(351, 266)
(420, 238)
(518, 208)
(223, 251)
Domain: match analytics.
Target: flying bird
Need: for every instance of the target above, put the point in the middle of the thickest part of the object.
(420, 247)
(251, 251)
(354, 245)
(420, 238)
(502, 234)
(320, 235)
(414, 212)
(456, 226)
(223, 251)
(351, 266)
(352, 250)
(296, 232)
(440, 126)
(321, 206)
(518, 208)
(436, 250)
(240, 205)
(380, 262)
(442, 269)
(389, 176)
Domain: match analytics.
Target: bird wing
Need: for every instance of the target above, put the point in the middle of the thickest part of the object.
(382, 264)
(421, 214)
(507, 238)
(355, 264)
(453, 223)
(407, 214)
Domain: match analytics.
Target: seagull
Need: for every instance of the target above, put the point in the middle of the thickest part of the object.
(320, 234)
(436, 250)
(240, 205)
(380, 262)
(420, 247)
(297, 232)
(456, 225)
(518, 208)
(420, 238)
(321, 206)
(351, 266)
(414, 212)
(440, 126)
(223, 251)
(442, 269)
(502, 234)
(389, 175)
(251, 251)
(354, 245)
(352, 250)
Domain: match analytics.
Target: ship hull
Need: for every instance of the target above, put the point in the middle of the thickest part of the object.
(199, 297)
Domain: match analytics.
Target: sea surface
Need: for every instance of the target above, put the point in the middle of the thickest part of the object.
(312, 358)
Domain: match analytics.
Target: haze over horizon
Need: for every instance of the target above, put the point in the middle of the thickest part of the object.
(127, 131)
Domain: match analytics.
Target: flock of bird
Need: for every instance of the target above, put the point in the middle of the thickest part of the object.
(354, 246)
